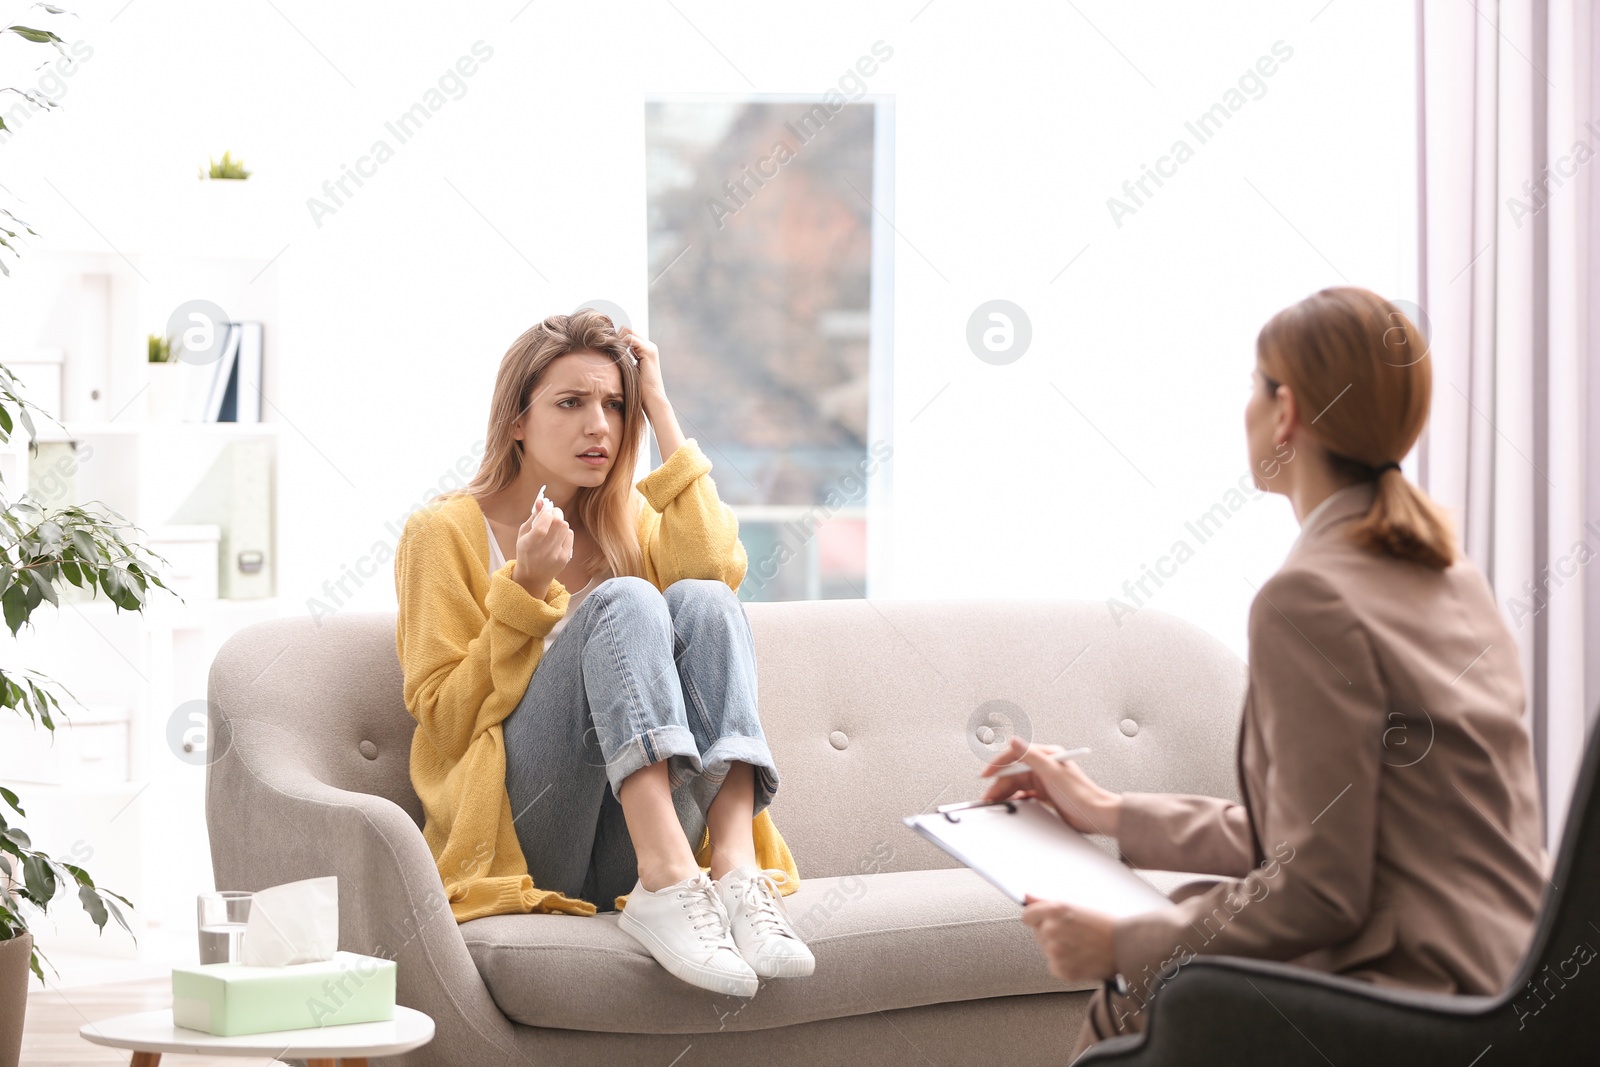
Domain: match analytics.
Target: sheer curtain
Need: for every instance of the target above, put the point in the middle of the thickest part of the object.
(1510, 268)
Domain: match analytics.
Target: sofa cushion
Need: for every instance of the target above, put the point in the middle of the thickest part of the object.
(882, 941)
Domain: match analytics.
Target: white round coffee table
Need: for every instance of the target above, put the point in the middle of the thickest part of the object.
(150, 1033)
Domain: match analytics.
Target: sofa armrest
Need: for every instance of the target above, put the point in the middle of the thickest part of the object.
(1247, 1012)
(271, 820)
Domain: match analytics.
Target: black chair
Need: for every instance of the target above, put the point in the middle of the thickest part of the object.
(1230, 1010)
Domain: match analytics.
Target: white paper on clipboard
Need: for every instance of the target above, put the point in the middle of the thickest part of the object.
(1024, 848)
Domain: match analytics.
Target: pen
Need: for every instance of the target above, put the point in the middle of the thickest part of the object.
(1013, 769)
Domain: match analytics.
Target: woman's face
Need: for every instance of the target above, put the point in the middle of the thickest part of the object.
(1262, 415)
(576, 408)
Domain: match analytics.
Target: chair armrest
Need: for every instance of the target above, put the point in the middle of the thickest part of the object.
(1247, 1012)
(271, 820)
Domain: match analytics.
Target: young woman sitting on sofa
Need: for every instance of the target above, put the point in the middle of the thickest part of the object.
(583, 677)
(1390, 828)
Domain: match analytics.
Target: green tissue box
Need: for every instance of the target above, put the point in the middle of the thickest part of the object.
(227, 999)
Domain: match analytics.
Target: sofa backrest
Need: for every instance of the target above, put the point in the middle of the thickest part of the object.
(879, 710)
(874, 709)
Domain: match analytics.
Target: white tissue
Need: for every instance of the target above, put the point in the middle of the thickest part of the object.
(297, 922)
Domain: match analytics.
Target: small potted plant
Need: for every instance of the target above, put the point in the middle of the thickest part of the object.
(228, 169)
(163, 373)
(229, 211)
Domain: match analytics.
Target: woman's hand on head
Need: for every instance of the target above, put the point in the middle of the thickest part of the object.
(544, 548)
(649, 357)
(1083, 805)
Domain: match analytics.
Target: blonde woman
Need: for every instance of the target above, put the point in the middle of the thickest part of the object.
(1390, 826)
(583, 676)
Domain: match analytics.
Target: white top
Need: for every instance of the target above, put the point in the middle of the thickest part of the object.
(497, 559)
(1350, 489)
(152, 1031)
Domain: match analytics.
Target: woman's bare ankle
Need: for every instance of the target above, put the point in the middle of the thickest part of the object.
(723, 861)
(657, 876)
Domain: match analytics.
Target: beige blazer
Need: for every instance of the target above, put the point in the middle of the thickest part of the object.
(1390, 828)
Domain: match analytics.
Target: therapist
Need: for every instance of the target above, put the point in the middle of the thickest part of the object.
(1390, 827)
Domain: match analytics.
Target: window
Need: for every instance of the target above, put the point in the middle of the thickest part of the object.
(765, 289)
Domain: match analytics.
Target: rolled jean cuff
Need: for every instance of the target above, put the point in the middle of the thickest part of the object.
(730, 749)
(671, 742)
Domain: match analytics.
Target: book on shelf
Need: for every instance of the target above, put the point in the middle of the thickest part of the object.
(233, 393)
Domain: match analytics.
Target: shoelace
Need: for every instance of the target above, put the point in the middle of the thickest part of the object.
(706, 914)
(759, 895)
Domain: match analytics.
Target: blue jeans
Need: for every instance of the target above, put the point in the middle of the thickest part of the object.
(634, 677)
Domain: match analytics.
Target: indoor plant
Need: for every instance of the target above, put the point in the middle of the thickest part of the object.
(228, 169)
(163, 377)
(40, 550)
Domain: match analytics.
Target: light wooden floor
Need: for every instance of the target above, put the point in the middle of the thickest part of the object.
(50, 1030)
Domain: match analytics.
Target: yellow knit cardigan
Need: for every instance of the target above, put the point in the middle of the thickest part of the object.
(468, 644)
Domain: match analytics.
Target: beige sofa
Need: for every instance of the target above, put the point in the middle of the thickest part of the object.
(875, 710)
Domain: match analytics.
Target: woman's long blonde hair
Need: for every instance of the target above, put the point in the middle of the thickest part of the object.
(1360, 362)
(607, 512)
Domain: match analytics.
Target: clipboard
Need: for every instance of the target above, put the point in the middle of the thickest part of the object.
(1023, 847)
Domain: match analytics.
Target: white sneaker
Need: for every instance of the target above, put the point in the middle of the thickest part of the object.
(685, 927)
(759, 921)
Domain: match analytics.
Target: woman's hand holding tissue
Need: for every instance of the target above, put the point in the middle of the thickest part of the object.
(1083, 805)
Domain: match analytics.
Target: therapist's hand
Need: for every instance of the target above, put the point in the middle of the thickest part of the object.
(1084, 806)
(1077, 942)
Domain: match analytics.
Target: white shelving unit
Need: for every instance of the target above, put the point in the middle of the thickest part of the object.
(115, 792)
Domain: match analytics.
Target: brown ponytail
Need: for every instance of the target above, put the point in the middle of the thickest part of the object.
(1361, 366)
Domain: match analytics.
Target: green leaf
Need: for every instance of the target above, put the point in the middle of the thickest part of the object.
(15, 602)
(40, 879)
(27, 33)
(116, 913)
(11, 798)
(45, 589)
(93, 905)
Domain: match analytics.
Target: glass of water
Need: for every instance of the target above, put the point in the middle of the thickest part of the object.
(223, 915)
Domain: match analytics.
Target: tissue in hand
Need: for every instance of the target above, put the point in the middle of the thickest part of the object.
(297, 922)
(291, 975)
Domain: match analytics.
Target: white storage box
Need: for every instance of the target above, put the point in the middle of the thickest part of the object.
(191, 552)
